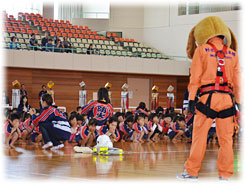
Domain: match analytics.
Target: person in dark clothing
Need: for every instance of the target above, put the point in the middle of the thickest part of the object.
(24, 106)
(23, 91)
(67, 45)
(49, 45)
(44, 91)
(59, 46)
(33, 42)
(45, 41)
(90, 49)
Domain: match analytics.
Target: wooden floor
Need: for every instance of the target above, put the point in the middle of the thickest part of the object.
(140, 161)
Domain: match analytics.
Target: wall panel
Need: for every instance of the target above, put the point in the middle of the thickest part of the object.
(67, 84)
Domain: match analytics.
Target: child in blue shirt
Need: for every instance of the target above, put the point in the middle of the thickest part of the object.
(87, 133)
(154, 127)
(125, 128)
(111, 129)
(177, 129)
(138, 128)
(12, 131)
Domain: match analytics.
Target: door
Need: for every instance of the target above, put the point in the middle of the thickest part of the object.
(139, 91)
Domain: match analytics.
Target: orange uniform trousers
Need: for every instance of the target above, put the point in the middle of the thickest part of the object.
(224, 129)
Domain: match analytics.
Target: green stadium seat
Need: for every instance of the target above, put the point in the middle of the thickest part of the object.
(102, 52)
(119, 53)
(78, 50)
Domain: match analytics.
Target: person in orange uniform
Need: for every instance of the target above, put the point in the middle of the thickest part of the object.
(215, 79)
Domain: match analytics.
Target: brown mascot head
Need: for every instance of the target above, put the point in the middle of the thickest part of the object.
(206, 29)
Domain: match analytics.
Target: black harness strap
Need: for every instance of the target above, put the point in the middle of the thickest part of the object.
(216, 87)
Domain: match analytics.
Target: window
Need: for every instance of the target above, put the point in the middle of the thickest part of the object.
(29, 6)
(85, 9)
(198, 8)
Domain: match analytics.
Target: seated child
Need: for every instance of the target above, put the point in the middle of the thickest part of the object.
(189, 125)
(12, 131)
(111, 130)
(80, 120)
(138, 128)
(165, 121)
(177, 129)
(125, 128)
(36, 136)
(154, 127)
(212, 133)
(73, 124)
(145, 127)
(26, 127)
(87, 133)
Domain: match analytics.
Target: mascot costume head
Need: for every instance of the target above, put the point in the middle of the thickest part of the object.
(206, 29)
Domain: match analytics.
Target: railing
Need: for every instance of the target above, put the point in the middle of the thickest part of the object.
(103, 52)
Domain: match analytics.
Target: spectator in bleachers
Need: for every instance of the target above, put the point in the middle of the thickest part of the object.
(33, 42)
(49, 45)
(59, 47)
(45, 41)
(67, 45)
(13, 44)
(56, 39)
(90, 49)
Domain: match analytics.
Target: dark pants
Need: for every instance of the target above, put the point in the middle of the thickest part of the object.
(49, 134)
(155, 132)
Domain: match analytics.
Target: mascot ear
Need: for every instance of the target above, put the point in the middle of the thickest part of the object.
(233, 41)
(191, 44)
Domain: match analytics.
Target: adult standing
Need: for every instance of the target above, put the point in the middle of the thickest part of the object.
(215, 70)
(23, 91)
(43, 91)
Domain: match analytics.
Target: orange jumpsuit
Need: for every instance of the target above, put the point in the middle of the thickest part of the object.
(203, 72)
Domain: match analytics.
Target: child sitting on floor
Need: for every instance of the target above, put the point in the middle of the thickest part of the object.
(138, 128)
(26, 127)
(88, 133)
(12, 131)
(212, 133)
(126, 130)
(111, 129)
(165, 121)
(154, 127)
(176, 130)
(73, 124)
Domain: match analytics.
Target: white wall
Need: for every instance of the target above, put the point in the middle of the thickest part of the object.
(93, 24)
(127, 19)
(80, 62)
(48, 10)
(168, 32)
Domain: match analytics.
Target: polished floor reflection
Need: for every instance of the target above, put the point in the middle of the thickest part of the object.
(140, 161)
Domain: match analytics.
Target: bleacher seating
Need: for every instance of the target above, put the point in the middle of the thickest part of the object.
(79, 36)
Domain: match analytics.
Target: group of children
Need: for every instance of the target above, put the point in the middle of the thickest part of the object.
(138, 126)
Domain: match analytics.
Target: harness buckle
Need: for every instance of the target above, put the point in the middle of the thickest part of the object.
(221, 63)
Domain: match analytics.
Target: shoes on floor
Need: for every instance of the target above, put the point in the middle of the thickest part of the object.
(47, 145)
(186, 176)
(57, 147)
